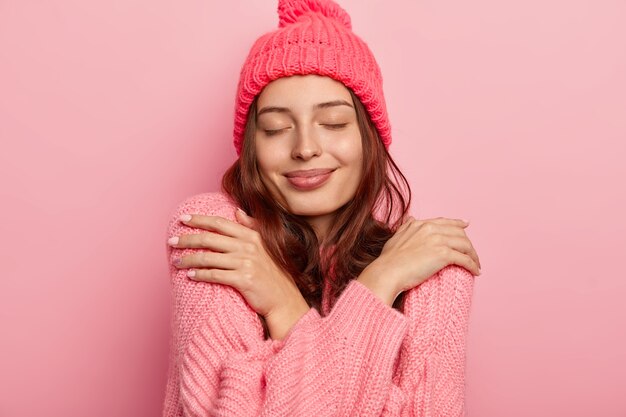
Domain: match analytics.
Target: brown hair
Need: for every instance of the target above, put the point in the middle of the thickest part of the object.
(356, 236)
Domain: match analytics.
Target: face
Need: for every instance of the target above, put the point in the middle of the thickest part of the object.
(308, 146)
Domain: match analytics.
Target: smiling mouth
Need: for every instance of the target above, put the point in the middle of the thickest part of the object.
(309, 179)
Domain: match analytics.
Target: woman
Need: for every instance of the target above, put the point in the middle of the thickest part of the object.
(305, 289)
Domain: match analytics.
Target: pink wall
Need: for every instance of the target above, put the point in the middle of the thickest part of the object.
(511, 114)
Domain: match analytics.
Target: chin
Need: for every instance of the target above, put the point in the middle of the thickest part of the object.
(311, 210)
(313, 206)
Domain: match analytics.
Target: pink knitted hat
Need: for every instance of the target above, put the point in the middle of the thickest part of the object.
(313, 37)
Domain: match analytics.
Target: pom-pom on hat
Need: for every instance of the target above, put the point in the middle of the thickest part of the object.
(313, 37)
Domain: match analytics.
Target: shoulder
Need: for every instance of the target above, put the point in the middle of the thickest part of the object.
(449, 291)
(215, 203)
(452, 283)
(456, 274)
(220, 308)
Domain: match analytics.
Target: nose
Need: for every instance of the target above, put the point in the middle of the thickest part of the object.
(306, 145)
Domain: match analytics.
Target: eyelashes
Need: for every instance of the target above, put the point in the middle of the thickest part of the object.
(272, 132)
(336, 126)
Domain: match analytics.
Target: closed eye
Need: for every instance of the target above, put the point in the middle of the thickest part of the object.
(337, 126)
(270, 132)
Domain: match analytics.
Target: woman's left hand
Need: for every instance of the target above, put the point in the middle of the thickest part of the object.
(237, 257)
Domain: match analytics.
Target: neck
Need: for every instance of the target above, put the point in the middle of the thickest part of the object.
(321, 225)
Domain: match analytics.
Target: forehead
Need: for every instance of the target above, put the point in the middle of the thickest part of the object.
(301, 92)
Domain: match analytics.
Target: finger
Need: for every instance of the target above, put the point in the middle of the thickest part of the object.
(219, 276)
(463, 247)
(218, 224)
(464, 261)
(407, 222)
(456, 231)
(447, 230)
(207, 260)
(245, 220)
(444, 220)
(208, 240)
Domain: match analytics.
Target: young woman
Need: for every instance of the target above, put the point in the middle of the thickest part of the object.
(305, 288)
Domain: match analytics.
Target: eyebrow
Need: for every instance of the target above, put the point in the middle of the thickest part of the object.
(325, 105)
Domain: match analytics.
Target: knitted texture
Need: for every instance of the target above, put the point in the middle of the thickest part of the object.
(313, 37)
(361, 358)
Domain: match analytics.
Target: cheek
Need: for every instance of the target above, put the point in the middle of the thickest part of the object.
(350, 152)
(266, 157)
(270, 161)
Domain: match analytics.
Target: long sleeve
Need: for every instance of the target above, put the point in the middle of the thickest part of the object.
(430, 376)
(341, 364)
(364, 358)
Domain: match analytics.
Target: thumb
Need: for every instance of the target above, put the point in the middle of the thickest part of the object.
(244, 219)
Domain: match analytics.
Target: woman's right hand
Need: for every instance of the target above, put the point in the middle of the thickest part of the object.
(420, 248)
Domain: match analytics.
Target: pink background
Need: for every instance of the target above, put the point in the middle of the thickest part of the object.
(510, 114)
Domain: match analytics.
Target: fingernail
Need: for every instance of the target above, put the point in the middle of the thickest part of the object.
(191, 273)
(173, 240)
(465, 221)
(241, 211)
(177, 261)
(185, 218)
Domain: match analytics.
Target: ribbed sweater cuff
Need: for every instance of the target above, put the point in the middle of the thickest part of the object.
(363, 318)
(359, 317)
(311, 316)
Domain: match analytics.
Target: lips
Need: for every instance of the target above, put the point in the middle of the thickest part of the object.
(309, 179)
(308, 173)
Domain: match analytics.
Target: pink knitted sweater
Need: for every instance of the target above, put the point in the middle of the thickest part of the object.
(360, 357)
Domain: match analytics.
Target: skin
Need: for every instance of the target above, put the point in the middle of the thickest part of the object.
(307, 136)
(293, 133)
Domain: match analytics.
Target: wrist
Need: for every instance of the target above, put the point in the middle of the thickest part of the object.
(280, 321)
(378, 280)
